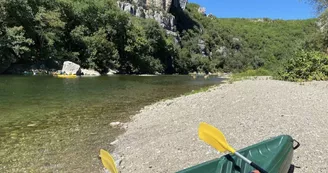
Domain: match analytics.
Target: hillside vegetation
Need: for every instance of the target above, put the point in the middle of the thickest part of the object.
(239, 44)
(96, 34)
(311, 62)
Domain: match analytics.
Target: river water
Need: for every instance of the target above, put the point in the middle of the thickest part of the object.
(49, 124)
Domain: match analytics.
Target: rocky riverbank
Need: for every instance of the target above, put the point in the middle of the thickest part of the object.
(163, 136)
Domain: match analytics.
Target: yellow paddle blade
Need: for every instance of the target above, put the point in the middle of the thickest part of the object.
(214, 137)
(108, 161)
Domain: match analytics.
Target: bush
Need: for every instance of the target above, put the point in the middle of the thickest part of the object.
(249, 73)
(306, 66)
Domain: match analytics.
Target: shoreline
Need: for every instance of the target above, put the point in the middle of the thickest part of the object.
(124, 125)
(162, 137)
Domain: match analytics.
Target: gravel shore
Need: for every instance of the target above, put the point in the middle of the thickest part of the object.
(163, 137)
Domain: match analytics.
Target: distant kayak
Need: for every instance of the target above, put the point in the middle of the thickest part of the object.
(66, 76)
(274, 155)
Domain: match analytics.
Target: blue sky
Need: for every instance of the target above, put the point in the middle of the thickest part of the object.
(274, 9)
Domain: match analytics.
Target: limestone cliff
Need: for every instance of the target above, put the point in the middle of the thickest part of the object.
(166, 20)
(162, 4)
(154, 9)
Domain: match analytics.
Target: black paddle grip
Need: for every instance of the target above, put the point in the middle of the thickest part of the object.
(258, 168)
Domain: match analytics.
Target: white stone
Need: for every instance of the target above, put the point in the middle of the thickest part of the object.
(114, 142)
(115, 124)
(112, 72)
(31, 125)
(90, 72)
(70, 68)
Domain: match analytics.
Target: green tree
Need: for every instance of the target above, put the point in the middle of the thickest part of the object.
(49, 29)
(13, 45)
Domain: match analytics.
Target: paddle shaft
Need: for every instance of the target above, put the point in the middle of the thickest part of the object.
(251, 163)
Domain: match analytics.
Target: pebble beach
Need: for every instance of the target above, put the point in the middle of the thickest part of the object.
(163, 137)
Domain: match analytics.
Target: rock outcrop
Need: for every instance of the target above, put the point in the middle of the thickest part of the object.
(166, 20)
(322, 24)
(154, 9)
(161, 4)
(183, 4)
(111, 72)
(89, 72)
(71, 68)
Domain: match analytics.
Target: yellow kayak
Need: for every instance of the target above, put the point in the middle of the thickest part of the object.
(66, 76)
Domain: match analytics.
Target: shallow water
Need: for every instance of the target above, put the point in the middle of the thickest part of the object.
(49, 124)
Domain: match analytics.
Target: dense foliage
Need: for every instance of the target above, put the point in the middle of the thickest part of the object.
(96, 34)
(306, 66)
(311, 63)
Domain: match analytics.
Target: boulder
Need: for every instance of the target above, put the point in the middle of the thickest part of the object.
(112, 72)
(71, 68)
(90, 72)
(115, 124)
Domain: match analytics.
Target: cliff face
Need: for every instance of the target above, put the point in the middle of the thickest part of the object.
(166, 20)
(162, 4)
(154, 9)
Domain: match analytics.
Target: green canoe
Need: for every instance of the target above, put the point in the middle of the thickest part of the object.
(274, 155)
